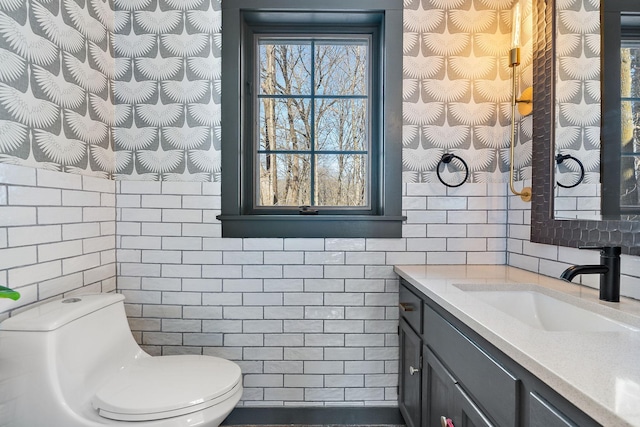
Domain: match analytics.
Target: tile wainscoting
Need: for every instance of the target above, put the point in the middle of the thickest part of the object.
(57, 234)
(310, 321)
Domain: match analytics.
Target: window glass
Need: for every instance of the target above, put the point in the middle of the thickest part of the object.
(342, 180)
(285, 124)
(313, 136)
(341, 67)
(285, 67)
(630, 123)
(285, 179)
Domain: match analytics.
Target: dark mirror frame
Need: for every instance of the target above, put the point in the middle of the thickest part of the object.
(544, 228)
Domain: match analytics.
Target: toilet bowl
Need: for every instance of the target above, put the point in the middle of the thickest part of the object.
(74, 362)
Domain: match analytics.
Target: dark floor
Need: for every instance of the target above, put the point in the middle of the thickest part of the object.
(315, 417)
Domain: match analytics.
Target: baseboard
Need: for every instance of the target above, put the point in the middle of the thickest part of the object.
(360, 415)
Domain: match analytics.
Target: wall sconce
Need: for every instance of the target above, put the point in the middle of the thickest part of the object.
(525, 102)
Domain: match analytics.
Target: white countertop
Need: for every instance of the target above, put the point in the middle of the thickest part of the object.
(599, 372)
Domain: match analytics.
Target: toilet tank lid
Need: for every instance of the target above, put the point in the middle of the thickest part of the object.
(55, 314)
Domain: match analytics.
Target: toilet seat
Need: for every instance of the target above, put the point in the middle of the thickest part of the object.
(154, 388)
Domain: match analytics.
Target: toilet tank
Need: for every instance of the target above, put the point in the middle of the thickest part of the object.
(69, 346)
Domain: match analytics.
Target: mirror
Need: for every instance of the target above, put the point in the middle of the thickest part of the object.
(545, 228)
(581, 192)
(577, 110)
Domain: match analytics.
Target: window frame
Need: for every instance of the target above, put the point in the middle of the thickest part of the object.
(372, 98)
(242, 19)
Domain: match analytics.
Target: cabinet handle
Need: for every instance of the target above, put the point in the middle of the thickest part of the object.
(446, 422)
(405, 306)
(413, 370)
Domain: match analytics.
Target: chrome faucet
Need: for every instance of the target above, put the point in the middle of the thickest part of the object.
(609, 271)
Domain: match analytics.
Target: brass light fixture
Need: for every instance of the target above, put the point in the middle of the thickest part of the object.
(525, 102)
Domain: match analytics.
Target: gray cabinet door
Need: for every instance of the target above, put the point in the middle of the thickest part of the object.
(467, 413)
(439, 391)
(475, 369)
(543, 414)
(410, 397)
(446, 399)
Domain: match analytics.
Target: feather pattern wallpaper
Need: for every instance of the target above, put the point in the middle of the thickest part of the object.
(457, 89)
(167, 89)
(578, 84)
(130, 89)
(55, 106)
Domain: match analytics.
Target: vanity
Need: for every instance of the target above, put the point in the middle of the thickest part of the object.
(499, 346)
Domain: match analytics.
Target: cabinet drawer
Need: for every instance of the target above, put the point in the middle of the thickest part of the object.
(493, 388)
(411, 308)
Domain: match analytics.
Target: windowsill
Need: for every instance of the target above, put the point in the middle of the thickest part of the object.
(312, 226)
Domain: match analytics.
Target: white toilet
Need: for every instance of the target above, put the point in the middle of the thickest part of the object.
(74, 362)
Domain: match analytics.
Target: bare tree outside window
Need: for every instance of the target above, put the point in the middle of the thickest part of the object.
(630, 125)
(312, 133)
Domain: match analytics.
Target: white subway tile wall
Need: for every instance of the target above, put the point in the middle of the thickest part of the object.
(57, 235)
(310, 321)
(582, 201)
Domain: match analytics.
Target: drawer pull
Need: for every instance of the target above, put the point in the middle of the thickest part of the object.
(405, 306)
(413, 370)
(446, 422)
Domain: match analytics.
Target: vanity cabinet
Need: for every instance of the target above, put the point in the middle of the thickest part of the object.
(448, 372)
(422, 375)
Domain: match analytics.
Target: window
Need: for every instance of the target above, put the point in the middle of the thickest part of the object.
(313, 129)
(311, 119)
(620, 150)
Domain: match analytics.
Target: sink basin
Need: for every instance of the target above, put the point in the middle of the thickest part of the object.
(545, 312)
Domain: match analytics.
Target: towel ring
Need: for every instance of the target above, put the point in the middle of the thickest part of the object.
(447, 158)
(561, 158)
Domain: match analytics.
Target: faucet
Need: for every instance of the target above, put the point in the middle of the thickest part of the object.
(609, 271)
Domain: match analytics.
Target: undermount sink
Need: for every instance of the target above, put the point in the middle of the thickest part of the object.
(547, 313)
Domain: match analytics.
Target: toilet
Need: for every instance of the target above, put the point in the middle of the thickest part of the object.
(73, 362)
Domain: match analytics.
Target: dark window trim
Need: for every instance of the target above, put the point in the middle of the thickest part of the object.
(236, 218)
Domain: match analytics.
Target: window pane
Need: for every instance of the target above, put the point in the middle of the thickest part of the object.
(341, 67)
(285, 180)
(332, 117)
(630, 125)
(285, 67)
(630, 181)
(630, 149)
(630, 78)
(341, 124)
(285, 124)
(341, 180)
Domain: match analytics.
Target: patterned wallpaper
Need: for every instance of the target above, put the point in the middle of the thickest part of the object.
(578, 86)
(55, 80)
(457, 88)
(167, 89)
(60, 82)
